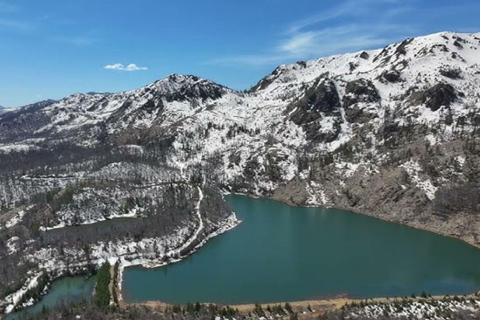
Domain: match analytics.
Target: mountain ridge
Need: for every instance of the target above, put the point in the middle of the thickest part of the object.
(277, 69)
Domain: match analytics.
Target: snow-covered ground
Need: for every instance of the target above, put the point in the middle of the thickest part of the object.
(421, 309)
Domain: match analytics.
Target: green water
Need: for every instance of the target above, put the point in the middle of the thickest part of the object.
(282, 253)
(66, 290)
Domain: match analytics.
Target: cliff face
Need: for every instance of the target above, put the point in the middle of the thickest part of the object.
(138, 175)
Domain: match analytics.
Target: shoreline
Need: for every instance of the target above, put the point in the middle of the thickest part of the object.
(231, 223)
(321, 302)
(308, 308)
(415, 226)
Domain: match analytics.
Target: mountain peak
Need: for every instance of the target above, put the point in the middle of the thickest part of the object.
(176, 77)
(186, 87)
(176, 80)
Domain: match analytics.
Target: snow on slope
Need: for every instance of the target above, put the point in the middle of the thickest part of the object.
(189, 99)
(189, 106)
(418, 63)
(207, 119)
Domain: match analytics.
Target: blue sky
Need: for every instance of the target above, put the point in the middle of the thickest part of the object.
(52, 48)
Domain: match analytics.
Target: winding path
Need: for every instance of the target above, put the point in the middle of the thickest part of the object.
(187, 244)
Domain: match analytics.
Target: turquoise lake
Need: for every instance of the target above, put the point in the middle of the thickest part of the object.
(65, 290)
(282, 253)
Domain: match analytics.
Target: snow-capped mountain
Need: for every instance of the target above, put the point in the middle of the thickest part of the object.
(390, 133)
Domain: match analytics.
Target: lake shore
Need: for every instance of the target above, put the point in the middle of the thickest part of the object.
(434, 228)
(314, 235)
(308, 309)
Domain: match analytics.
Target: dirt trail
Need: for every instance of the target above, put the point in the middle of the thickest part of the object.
(112, 284)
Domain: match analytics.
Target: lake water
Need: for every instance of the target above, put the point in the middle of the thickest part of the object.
(65, 290)
(282, 253)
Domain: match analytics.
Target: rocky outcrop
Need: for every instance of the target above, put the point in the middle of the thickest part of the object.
(361, 90)
(357, 94)
(440, 95)
(192, 88)
(390, 76)
(320, 101)
(321, 97)
(451, 73)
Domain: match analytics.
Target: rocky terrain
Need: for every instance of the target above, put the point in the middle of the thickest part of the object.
(139, 175)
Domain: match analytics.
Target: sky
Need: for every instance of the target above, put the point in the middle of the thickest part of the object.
(52, 48)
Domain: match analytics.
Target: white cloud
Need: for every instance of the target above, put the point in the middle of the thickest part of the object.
(121, 67)
(299, 43)
(335, 40)
(321, 43)
(351, 8)
(311, 37)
